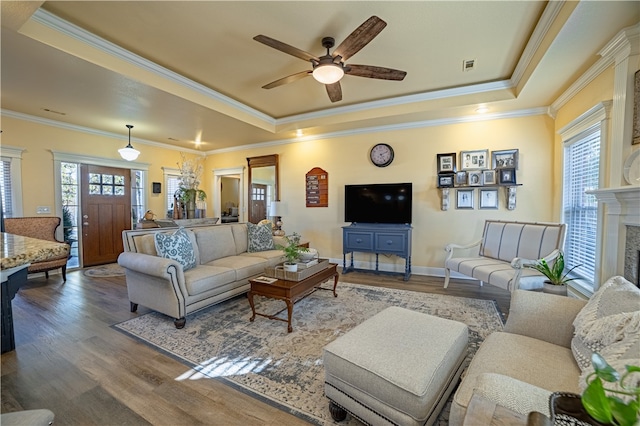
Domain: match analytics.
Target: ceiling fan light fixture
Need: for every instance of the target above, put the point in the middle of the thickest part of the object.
(328, 73)
(128, 152)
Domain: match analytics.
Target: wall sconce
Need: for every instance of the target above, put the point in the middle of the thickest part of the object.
(128, 153)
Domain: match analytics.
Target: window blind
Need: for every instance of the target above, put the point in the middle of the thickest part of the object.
(580, 210)
(5, 188)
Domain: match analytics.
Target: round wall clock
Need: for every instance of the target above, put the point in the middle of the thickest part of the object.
(381, 155)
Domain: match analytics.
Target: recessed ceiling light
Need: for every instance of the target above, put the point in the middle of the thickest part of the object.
(482, 109)
(299, 133)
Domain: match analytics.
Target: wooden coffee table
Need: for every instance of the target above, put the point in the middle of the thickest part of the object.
(290, 291)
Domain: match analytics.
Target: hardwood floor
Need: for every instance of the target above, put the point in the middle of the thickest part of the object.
(68, 359)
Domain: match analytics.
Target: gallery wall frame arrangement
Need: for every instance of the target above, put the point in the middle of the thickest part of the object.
(476, 171)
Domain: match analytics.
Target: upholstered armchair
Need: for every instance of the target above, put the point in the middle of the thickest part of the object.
(42, 228)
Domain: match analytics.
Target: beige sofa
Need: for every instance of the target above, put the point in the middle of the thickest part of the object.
(546, 346)
(505, 249)
(223, 269)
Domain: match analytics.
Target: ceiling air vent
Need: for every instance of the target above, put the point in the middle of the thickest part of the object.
(468, 64)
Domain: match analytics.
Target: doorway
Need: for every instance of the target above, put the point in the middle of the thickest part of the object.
(219, 202)
(106, 212)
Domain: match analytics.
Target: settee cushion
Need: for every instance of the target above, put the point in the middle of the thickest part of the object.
(176, 246)
(504, 240)
(608, 324)
(205, 277)
(245, 266)
(260, 237)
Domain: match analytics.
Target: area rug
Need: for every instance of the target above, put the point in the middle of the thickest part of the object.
(105, 271)
(285, 369)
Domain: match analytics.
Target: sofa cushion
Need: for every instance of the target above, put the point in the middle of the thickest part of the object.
(260, 237)
(176, 246)
(145, 244)
(206, 277)
(241, 237)
(214, 243)
(245, 266)
(608, 324)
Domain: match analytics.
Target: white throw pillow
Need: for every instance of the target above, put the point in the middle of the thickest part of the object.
(608, 324)
(260, 237)
(176, 246)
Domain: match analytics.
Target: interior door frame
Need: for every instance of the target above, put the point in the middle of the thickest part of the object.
(60, 157)
(218, 174)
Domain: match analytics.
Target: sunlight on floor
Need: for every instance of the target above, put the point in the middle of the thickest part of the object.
(223, 367)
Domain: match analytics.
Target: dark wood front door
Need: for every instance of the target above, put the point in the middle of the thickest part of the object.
(106, 212)
(258, 203)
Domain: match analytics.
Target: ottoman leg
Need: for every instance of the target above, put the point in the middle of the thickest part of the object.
(337, 413)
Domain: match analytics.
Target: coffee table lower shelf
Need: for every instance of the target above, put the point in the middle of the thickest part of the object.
(290, 291)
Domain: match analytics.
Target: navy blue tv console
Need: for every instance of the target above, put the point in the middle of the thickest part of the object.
(377, 238)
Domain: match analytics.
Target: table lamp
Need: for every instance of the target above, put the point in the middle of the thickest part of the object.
(276, 209)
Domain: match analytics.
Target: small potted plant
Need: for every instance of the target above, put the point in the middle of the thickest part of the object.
(604, 403)
(557, 278)
(292, 251)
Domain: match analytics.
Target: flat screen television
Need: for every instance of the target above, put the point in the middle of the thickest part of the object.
(378, 203)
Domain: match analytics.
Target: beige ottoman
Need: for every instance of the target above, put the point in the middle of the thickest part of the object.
(396, 368)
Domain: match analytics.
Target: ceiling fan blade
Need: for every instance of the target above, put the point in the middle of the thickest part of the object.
(283, 47)
(334, 91)
(288, 79)
(371, 71)
(359, 38)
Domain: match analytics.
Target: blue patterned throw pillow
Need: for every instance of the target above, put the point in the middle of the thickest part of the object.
(260, 237)
(176, 246)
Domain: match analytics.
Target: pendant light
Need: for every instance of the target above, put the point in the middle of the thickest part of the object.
(128, 153)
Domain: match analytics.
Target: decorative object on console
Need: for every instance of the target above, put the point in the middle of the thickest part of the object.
(464, 198)
(447, 163)
(128, 152)
(474, 159)
(504, 158)
(189, 180)
(276, 210)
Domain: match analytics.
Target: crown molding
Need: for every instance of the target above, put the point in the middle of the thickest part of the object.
(400, 100)
(549, 15)
(390, 128)
(88, 130)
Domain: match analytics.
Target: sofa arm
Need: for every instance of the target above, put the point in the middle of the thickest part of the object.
(514, 394)
(543, 316)
(156, 266)
(450, 247)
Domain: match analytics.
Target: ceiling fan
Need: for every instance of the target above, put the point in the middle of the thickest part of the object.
(330, 68)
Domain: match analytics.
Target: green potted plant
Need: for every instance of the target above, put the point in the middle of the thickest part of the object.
(604, 403)
(557, 278)
(292, 251)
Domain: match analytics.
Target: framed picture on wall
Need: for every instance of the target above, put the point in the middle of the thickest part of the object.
(475, 178)
(489, 177)
(464, 198)
(474, 159)
(488, 198)
(505, 158)
(447, 163)
(445, 180)
(461, 178)
(507, 176)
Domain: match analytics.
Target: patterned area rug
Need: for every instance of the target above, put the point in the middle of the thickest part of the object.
(285, 369)
(105, 271)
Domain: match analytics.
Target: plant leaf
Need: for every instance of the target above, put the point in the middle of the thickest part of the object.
(596, 403)
(625, 415)
(603, 369)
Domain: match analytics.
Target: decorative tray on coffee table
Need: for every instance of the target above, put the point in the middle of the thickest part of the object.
(280, 273)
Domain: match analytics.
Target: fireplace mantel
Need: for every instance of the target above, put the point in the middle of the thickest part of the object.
(621, 209)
